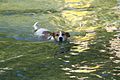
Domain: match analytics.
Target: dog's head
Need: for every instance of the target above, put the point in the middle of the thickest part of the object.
(60, 36)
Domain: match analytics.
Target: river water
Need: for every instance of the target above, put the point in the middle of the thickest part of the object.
(91, 58)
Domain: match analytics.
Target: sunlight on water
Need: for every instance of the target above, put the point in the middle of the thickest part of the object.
(74, 16)
(11, 58)
(89, 56)
(3, 70)
(96, 67)
(77, 3)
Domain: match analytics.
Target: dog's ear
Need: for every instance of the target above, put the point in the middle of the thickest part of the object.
(46, 32)
(53, 34)
(67, 34)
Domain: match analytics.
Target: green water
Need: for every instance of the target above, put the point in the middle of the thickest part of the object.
(17, 17)
(19, 26)
(87, 57)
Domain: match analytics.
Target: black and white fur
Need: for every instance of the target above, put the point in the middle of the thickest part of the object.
(47, 35)
(42, 32)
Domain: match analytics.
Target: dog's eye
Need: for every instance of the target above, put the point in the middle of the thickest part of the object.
(63, 34)
(57, 34)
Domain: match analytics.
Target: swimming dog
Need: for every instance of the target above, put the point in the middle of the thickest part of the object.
(45, 34)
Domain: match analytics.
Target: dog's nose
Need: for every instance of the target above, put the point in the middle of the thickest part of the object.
(60, 38)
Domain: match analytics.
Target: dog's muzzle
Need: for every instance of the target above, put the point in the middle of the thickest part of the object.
(60, 39)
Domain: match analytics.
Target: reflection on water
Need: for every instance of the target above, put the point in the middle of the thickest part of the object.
(90, 63)
(89, 58)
